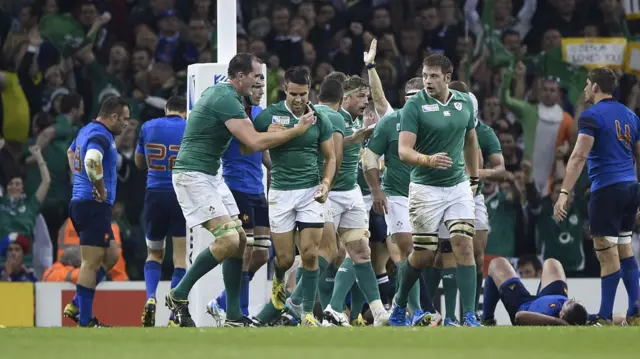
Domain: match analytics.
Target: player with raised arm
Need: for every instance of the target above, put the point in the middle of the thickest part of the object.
(609, 142)
(93, 158)
(438, 137)
(298, 189)
(550, 306)
(157, 149)
(243, 175)
(204, 197)
(350, 214)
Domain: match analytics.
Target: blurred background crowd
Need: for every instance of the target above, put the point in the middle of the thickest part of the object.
(61, 58)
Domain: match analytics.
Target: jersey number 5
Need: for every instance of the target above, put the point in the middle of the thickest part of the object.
(626, 137)
(158, 152)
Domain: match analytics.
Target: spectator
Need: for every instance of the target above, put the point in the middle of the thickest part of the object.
(529, 267)
(281, 41)
(13, 248)
(187, 52)
(503, 204)
(66, 269)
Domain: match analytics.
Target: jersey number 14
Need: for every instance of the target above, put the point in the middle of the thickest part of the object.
(626, 137)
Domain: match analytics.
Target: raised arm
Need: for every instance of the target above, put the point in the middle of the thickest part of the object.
(377, 93)
(43, 188)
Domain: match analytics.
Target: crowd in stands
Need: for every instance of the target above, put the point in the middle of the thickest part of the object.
(62, 58)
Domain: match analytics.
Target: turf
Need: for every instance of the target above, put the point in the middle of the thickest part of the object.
(325, 343)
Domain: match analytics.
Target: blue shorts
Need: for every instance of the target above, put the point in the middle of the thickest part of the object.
(253, 209)
(92, 221)
(514, 295)
(377, 227)
(612, 209)
(163, 216)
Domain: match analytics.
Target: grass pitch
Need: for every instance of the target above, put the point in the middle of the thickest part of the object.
(325, 343)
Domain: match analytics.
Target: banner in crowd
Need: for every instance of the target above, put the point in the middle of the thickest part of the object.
(632, 58)
(595, 52)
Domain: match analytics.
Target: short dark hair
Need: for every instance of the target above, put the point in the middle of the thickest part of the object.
(459, 86)
(575, 314)
(298, 75)
(43, 120)
(176, 104)
(509, 32)
(113, 105)
(242, 62)
(340, 76)
(331, 91)
(605, 78)
(529, 258)
(69, 102)
(415, 83)
(354, 82)
(440, 61)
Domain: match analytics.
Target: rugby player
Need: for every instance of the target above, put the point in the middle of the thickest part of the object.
(609, 142)
(157, 149)
(550, 306)
(93, 158)
(204, 197)
(298, 189)
(490, 149)
(439, 123)
(350, 214)
(243, 175)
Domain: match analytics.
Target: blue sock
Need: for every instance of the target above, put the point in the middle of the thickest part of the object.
(608, 287)
(491, 297)
(630, 279)
(244, 293)
(250, 274)
(85, 301)
(100, 276)
(178, 273)
(152, 273)
(222, 300)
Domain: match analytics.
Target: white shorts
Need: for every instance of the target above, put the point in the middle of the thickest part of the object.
(368, 202)
(397, 217)
(348, 209)
(431, 206)
(328, 217)
(287, 207)
(481, 222)
(203, 197)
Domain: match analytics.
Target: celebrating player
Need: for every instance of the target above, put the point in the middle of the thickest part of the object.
(157, 150)
(439, 123)
(550, 306)
(243, 175)
(93, 158)
(204, 197)
(298, 189)
(608, 140)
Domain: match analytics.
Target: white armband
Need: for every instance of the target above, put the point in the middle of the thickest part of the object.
(370, 160)
(93, 164)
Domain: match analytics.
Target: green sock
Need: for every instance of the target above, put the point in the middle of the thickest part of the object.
(367, 281)
(325, 282)
(232, 277)
(309, 284)
(414, 297)
(450, 287)
(205, 261)
(268, 314)
(432, 277)
(466, 276)
(409, 276)
(345, 278)
(296, 296)
(479, 280)
(399, 268)
(357, 301)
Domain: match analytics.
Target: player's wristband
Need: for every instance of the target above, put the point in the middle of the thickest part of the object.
(474, 181)
(564, 191)
(371, 66)
(425, 160)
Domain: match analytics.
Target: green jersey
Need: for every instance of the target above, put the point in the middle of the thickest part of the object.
(337, 122)
(206, 136)
(489, 145)
(439, 128)
(18, 216)
(502, 225)
(348, 174)
(294, 164)
(561, 240)
(384, 142)
(103, 85)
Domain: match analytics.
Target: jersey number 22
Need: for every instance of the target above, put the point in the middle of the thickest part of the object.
(158, 152)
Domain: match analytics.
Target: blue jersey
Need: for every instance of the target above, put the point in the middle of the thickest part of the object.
(243, 173)
(548, 305)
(159, 142)
(615, 131)
(96, 136)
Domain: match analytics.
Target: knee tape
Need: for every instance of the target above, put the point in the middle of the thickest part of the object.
(161, 244)
(356, 234)
(425, 241)
(461, 229)
(261, 243)
(624, 238)
(612, 240)
(250, 239)
(225, 229)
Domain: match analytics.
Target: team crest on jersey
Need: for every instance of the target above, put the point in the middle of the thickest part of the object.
(573, 220)
(283, 120)
(430, 108)
(446, 113)
(458, 106)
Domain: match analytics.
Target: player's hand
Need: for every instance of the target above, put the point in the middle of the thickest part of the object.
(526, 169)
(99, 197)
(362, 134)
(560, 208)
(307, 120)
(276, 127)
(441, 161)
(35, 151)
(380, 203)
(322, 193)
(370, 56)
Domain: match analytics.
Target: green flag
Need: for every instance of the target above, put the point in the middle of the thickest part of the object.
(499, 55)
(64, 32)
(550, 64)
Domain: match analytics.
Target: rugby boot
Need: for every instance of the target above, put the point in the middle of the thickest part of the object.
(149, 313)
(94, 323)
(335, 318)
(470, 320)
(359, 322)
(278, 294)
(180, 310)
(293, 309)
(448, 322)
(215, 311)
(72, 312)
(243, 321)
(310, 321)
(398, 316)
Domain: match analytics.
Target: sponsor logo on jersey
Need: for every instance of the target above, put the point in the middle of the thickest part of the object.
(446, 113)
(398, 127)
(430, 108)
(458, 106)
(283, 120)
